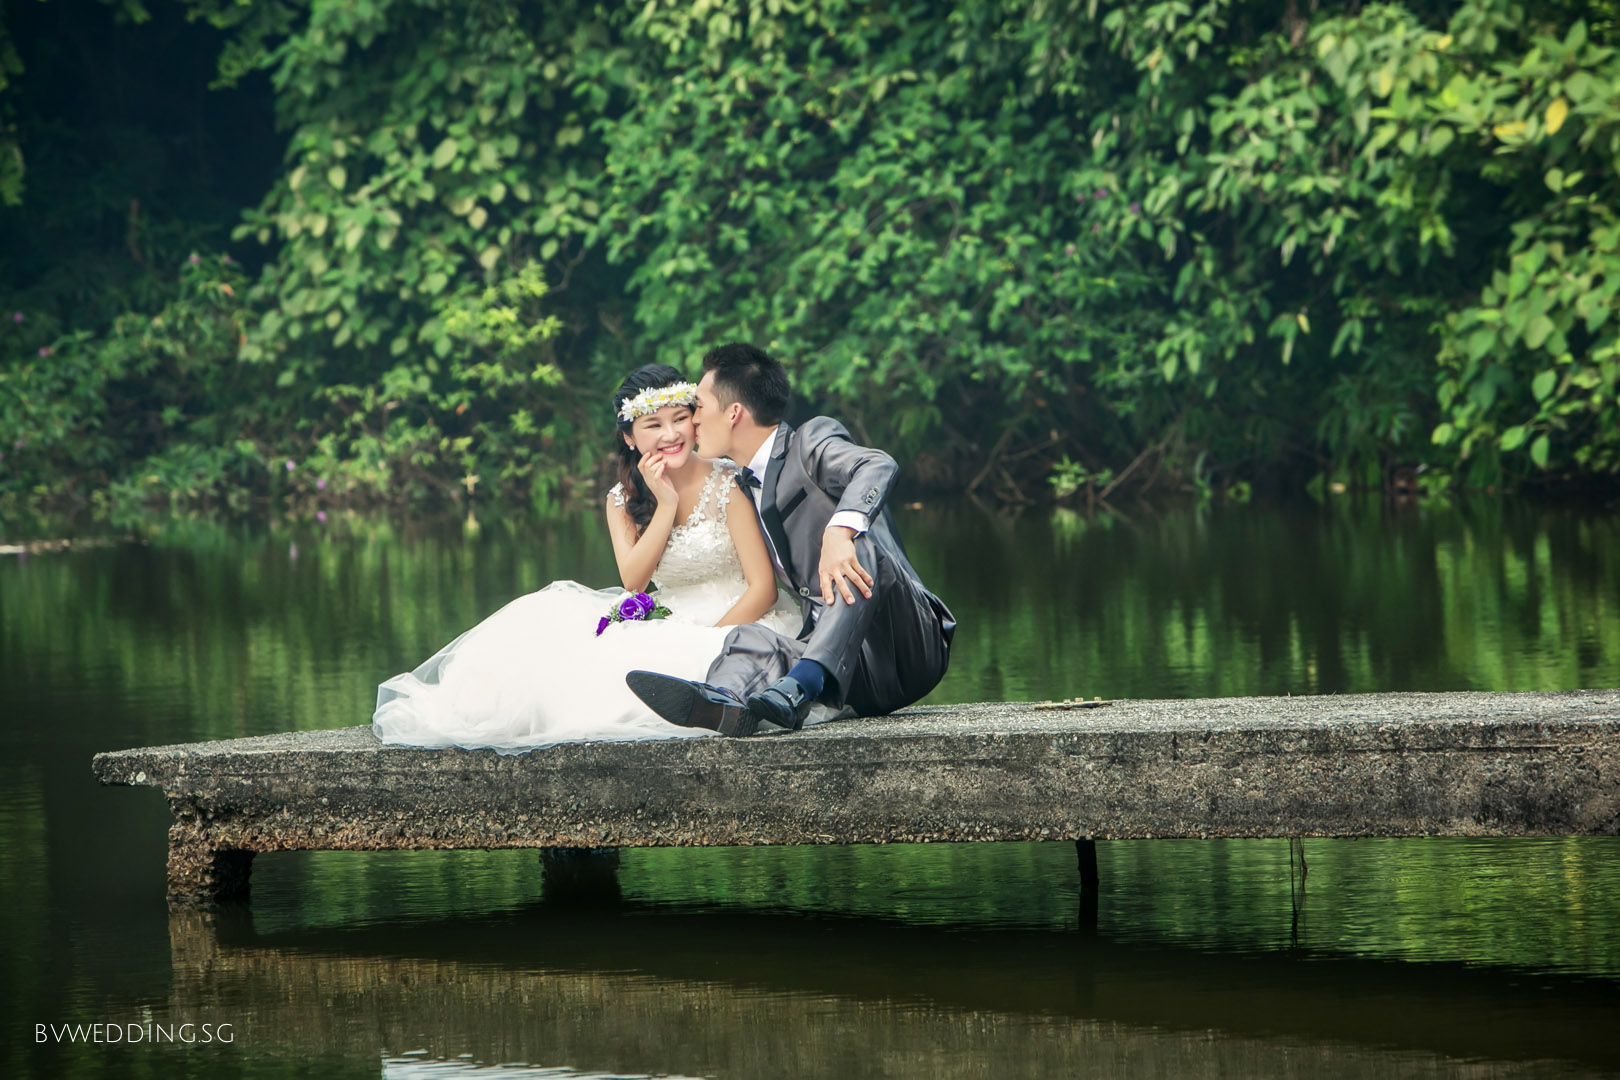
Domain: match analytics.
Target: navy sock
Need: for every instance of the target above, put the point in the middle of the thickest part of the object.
(810, 675)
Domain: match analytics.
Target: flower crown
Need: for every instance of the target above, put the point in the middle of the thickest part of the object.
(650, 401)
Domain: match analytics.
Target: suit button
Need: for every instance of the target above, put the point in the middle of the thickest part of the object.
(804, 590)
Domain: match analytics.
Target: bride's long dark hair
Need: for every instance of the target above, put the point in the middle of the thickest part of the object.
(638, 497)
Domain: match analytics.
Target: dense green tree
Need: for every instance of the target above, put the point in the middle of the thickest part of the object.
(1203, 243)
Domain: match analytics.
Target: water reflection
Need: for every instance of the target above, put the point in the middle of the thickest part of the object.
(1344, 599)
(424, 1068)
(1535, 904)
(643, 989)
(1444, 957)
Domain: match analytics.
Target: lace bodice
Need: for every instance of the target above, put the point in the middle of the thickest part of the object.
(699, 575)
(700, 551)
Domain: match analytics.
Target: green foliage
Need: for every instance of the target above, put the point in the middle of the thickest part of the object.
(436, 180)
(1069, 478)
(425, 165)
(1152, 223)
(883, 197)
(12, 165)
(11, 158)
(77, 407)
(1531, 365)
(487, 414)
(1205, 242)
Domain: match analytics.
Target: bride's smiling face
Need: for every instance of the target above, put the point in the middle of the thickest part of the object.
(667, 433)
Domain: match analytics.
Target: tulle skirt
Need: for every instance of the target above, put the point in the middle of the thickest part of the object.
(535, 674)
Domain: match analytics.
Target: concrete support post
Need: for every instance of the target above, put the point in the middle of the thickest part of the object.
(1087, 850)
(200, 872)
(580, 875)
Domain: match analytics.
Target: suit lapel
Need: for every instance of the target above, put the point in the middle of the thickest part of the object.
(769, 514)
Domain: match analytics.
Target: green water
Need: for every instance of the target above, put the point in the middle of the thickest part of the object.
(1441, 957)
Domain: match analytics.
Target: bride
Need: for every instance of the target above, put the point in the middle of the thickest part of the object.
(537, 672)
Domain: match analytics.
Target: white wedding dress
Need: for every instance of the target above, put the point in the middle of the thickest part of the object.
(535, 673)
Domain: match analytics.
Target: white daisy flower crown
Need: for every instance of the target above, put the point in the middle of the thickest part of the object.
(650, 401)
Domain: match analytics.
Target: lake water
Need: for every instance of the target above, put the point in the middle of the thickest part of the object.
(1438, 957)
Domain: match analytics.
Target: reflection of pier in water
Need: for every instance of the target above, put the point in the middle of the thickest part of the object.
(630, 988)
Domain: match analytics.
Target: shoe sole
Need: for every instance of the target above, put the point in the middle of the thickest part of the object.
(736, 721)
(669, 698)
(677, 702)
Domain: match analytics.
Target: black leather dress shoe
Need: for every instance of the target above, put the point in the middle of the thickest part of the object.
(783, 703)
(692, 704)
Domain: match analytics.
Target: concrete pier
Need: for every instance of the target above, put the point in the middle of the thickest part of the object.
(1455, 764)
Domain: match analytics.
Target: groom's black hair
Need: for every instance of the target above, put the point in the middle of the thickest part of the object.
(744, 373)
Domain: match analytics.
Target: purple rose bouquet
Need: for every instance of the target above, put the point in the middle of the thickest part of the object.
(636, 607)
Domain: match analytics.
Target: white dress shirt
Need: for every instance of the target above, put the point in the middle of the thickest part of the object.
(849, 519)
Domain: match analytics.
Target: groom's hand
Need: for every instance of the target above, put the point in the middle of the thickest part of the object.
(840, 568)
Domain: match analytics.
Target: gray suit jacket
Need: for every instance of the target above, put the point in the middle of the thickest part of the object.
(814, 472)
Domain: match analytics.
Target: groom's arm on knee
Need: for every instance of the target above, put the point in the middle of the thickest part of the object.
(859, 478)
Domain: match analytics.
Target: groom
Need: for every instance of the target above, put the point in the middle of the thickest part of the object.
(874, 638)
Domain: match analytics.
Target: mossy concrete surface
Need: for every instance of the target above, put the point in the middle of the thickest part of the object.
(1452, 764)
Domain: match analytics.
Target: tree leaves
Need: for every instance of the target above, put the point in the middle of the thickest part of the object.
(445, 153)
(1539, 451)
(1537, 331)
(1160, 220)
(1557, 112)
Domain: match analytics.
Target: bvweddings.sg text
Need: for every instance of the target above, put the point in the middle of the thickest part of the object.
(134, 1033)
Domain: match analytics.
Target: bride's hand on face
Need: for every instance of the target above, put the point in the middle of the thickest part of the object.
(652, 468)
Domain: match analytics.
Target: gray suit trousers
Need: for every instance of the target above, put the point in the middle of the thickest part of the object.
(882, 653)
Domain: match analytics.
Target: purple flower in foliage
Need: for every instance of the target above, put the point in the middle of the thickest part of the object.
(602, 624)
(194, 259)
(630, 608)
(320, 516)
(17, 317)
(291, 464)
(1080, 197)
(645, 602)
(1102, 193)
(320, 485)
(1069, 250)
(1136, 208)
(228, 261)
(44, 350)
